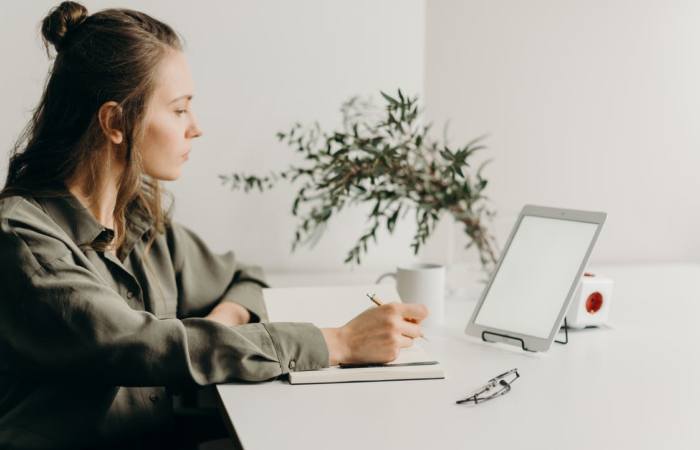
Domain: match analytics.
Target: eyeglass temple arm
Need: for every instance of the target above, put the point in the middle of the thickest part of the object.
(474, 396)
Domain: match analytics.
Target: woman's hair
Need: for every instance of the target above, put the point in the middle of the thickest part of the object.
(112, 55)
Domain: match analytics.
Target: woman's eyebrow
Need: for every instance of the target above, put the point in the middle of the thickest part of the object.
(187, 96)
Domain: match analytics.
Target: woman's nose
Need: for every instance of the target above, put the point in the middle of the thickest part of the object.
(196, 129)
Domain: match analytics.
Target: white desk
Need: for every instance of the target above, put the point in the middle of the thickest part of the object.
(632, 385)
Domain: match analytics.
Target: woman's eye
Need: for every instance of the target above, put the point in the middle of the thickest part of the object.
(180, 112)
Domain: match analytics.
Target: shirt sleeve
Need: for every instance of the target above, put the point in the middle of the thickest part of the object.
(60, 323)
(205, 278)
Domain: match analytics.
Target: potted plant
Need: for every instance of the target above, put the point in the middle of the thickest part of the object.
(385, 158)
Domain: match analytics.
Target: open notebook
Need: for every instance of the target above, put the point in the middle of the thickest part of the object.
(334, 307)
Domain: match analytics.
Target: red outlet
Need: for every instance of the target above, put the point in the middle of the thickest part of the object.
(594, 302)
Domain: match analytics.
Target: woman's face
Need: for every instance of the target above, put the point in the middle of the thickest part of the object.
(171, 124)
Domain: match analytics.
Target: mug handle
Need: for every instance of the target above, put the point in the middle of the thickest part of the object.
(388, 274)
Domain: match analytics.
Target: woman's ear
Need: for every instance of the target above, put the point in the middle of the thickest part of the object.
(110, 120)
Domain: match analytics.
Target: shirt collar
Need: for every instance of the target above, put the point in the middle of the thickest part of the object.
(82, 227)
(138, 222)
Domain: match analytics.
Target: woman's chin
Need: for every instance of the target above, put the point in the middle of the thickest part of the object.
(166, 176)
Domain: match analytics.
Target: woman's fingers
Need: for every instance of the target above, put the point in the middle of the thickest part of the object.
(414, 312)
(405, 342)
(410, 314)
(410, 330)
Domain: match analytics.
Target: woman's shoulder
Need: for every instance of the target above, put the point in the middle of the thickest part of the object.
(28, 234)
(16, 209)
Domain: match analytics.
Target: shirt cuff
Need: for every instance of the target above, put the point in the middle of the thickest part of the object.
(299, 346)
(248, 294)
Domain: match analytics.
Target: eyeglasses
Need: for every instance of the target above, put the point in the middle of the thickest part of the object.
(494, 388)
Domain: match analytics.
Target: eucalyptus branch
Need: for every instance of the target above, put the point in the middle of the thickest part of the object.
(385, 159)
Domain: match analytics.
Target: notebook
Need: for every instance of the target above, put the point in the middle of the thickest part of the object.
(334, 307)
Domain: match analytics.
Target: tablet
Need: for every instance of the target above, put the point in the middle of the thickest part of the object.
(530, 290)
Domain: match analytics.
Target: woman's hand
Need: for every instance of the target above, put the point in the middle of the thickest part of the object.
(229, 314)
(376, 335)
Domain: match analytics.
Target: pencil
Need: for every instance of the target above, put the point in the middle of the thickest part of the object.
(375, 300)
(378, 302)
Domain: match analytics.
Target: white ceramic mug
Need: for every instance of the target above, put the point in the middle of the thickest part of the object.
(422, 283)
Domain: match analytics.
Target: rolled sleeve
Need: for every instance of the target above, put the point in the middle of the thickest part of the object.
(299, 346)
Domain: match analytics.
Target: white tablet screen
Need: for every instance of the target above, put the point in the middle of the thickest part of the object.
(535, 276)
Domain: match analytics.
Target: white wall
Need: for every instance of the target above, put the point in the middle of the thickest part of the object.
(258, 67)
(590, 104)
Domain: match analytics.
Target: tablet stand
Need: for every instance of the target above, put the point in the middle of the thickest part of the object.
(566, 333)
(522, 343)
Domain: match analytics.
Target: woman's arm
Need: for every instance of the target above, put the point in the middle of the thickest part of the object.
(70, 328)
(60, 321)
(232, 293)
(214, 285)
(376, 335)
(229, 314)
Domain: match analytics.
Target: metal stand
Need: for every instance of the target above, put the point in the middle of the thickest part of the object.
(522, 343)
(566, 333)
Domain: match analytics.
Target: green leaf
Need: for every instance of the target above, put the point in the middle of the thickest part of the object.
(475, 140)
(416, 246)
(375, 211)
(467, 189)
(391, 221)
(474, 149)
(481, 167)
(389, 99)
(445, 130)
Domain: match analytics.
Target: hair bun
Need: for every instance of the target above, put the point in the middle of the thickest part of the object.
(61, 20)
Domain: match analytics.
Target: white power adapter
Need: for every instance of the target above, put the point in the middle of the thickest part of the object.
(590, 305)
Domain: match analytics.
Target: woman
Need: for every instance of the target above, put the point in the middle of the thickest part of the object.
(107, 306)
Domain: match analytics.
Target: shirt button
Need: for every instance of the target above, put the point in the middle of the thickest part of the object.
(292, 364)
(153, 397)
(129, 294)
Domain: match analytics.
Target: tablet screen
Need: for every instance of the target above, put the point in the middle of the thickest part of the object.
(535, 275)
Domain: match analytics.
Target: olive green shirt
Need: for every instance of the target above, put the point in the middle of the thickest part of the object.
(92, 346)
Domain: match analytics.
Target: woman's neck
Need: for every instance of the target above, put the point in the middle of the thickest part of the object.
(101, 207)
